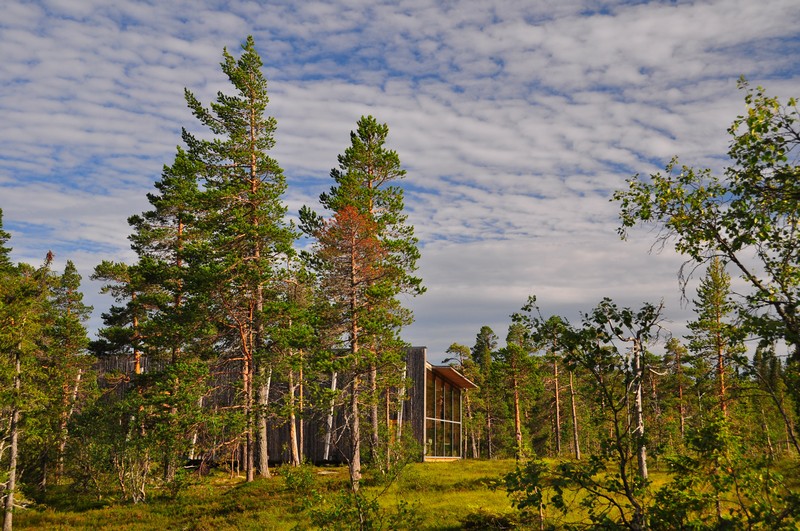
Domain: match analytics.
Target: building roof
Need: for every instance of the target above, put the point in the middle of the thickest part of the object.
(453, 376)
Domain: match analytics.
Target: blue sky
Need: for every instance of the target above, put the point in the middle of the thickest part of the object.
(516, 121)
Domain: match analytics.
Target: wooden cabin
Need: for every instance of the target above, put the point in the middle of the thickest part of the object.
(431, 407)
(436, 406)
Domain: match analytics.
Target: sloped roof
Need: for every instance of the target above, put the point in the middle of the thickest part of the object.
(453, 376)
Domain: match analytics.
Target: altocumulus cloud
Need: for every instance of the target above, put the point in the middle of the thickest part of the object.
(515, 121)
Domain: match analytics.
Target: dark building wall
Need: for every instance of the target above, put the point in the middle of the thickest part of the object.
(225, 380)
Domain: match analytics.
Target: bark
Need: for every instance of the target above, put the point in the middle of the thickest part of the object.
(723, 402)
(355, 436)
(681, 405)
(557, 393)
(137, 354)
(517, 417)
(388, 420)
(765, 427)
(301, 404)
(293, 443)
(64, 421)
(575, 439)
(374, 441)
(11, 485)
(249, 453)
(488, 428)
(641, 448)
(401, 397)
(329, 422)
(261, 417)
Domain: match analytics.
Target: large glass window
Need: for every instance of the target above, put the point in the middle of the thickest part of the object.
(443, 417)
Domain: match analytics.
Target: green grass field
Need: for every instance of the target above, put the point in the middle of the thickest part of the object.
(425, 496)
(441, 495)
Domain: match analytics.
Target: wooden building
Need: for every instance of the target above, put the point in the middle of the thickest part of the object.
(430, 407)
(435, 406)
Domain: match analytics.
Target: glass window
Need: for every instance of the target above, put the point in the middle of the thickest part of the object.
(430, 391)
(443, 417)
(439, 398)
(456, 440)
(440, 436)
(448, 402)
(430, 434)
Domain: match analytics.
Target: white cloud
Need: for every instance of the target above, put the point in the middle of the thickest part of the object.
(516, 121)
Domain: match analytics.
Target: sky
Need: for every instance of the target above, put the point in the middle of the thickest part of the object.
(515, 120)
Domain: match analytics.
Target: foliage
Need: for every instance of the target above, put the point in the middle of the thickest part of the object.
(364, 257)
(450, 494)
(751, 211)
(718, 484)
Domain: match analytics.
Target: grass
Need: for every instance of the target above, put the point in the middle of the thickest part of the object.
(440, 496)
(427, 496)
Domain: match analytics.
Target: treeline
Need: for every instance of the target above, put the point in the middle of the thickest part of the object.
(615, 395)
(220, 292)
(550, 390)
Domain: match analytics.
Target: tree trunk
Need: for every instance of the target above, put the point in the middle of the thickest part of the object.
(517, 418)
(401, 397)
(355, 437)
(557, 393)
(576, 441)
(11, 485)
(765, 427)
(329, 423)
(641, 448)
(681, 406)
(473, 439)
(295, 453)
(301, 404)
(62, 428)
(264, 385)
(488, 428)
(249, 453)
(723, 402)
(374, 439)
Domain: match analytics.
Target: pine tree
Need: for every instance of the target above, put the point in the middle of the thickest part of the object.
(370, 225)
(518, 372)
(5, 252)
(248, 238)
(714, 339)
(162, 238)
(124, 321)
(482, 355)
(464, 363)
(24, 292)
(66, 354)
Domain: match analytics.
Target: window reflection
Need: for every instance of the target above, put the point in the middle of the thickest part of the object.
(443, 417)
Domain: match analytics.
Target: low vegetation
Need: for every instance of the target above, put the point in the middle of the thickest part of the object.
(445, 495)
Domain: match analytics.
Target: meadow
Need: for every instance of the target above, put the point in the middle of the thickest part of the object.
(438, 495)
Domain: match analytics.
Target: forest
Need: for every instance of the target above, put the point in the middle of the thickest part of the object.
(226, 329)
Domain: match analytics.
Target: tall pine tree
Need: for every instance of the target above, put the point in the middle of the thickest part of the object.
(248, 238)
(369, 221)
